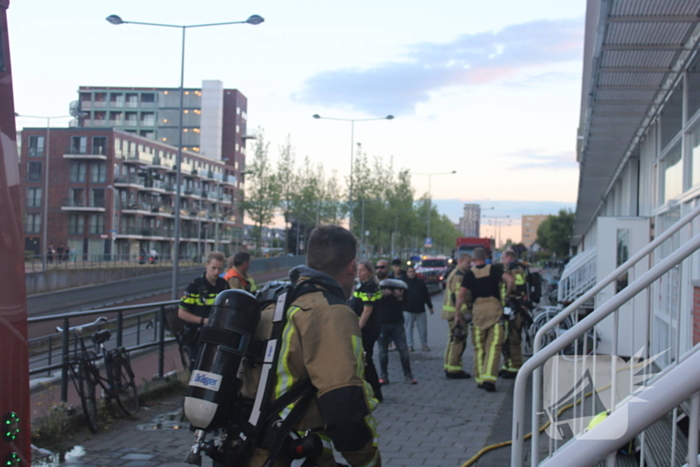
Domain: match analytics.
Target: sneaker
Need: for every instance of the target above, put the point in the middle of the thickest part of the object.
(426, 348)
(457, 375)
(410, 348)
(383, 381)
(410, 380)
(488, 386)
(392, 347)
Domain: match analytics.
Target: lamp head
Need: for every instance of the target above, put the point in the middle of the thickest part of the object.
(389, 117)
(114, 19)
(255, 20)
(317, 116)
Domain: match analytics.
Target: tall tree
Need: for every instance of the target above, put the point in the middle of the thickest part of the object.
(287, 178)
(262, 195)
(554, 234)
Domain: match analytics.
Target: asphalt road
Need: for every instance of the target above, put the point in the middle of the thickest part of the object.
(104, 295)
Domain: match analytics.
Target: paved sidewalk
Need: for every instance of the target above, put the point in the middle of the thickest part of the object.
(438, 422)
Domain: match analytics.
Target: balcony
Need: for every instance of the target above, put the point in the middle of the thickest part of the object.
(95, 153)
(134, 157)
(159, 163)
(146, 232)
(129, 181)
(83, 205)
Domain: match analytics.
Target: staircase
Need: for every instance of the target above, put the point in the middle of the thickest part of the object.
(652, 399)
(578, 277)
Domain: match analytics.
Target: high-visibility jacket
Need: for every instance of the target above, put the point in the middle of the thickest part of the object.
(519, 273)
(322, 341)
(454, 282)
(238, 280)
(200, 295)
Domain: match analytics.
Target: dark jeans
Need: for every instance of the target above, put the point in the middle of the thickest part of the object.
(368, 340)
(393, 332)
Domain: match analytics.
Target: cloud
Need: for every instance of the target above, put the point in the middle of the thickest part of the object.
(470, 60)
(533, 160)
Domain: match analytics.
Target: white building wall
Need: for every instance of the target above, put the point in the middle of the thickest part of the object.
(212, 119)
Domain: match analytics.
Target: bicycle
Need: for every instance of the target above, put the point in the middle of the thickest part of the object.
(119, 383)
(541, 316)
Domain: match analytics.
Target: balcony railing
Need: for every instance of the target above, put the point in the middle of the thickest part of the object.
(83, 203)
(129, 180)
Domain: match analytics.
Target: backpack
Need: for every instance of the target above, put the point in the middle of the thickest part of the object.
(534, 286)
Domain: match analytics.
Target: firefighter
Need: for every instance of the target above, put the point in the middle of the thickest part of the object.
(516, 300)
(322, 341)
(483, 284)
(456, 341)
(237, 275)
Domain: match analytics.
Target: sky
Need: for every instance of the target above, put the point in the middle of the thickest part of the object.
(490, 90)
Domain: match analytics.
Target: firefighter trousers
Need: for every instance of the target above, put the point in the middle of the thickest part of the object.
(488, 337)
(454, 350)
(513, 351)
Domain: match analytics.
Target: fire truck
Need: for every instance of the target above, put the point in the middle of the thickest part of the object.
(14, 371)
(469, 244)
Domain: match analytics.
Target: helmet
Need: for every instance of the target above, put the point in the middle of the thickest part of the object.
(393, 284)
(459, 333)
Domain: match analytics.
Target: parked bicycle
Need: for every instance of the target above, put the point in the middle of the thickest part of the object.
(118, 385)
(541, 315)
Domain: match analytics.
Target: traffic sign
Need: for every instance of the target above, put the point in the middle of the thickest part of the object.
(112, 231)
(428, 242)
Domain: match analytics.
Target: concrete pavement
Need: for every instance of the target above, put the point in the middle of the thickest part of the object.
(438, 422)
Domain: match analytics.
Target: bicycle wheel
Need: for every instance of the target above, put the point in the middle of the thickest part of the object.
(88, 398)
(124, 386)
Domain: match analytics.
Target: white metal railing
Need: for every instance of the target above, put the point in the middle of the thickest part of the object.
(611, 307)
(578, 277)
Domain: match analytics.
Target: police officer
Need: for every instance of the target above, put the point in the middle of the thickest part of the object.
(195, 305)
(237, 274)
(322, 341)
(483, 283)
(455, 343)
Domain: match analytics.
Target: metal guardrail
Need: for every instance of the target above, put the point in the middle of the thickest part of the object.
(540, 355)
(119, 311)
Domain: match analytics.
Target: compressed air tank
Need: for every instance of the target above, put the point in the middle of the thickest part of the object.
(224, 341)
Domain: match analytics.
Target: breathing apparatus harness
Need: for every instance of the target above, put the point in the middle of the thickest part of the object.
(245, 424)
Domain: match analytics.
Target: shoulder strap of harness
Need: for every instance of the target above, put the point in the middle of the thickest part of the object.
(262, 413)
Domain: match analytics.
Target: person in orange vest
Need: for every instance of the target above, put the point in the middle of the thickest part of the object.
(237, 275)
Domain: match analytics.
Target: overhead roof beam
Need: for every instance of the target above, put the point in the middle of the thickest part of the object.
(626, 87)
(622, 69)
(644, 48)
(622, 101)
(654, 19)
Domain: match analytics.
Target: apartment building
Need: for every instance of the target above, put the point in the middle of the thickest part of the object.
(470, 222)
(113, 192)
(530, 223)
(213, 118)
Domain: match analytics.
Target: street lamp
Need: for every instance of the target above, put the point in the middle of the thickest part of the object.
(47, 147)
(116, 20)
(430, 199)
(352, 150)
(497, 224)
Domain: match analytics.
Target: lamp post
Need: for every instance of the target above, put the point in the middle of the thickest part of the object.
(47, 154)
(497, 224)
(114, 222)
(116, 20)
(430, 199)
(352, 150)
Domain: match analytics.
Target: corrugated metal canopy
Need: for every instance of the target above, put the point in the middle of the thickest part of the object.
(634, 50)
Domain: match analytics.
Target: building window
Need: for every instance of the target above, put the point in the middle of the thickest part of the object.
(97, 224)
(33, 223)
(36, 145)
(34, 197)
(148, 97)
(34, 172)
(99, 145)
(75, 224)
(77, 197)
(77, 172)
(98, 172)
(98, 198)
(672, 174)
(78, 145)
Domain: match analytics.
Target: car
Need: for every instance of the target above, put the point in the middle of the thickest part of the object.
(433, 271)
